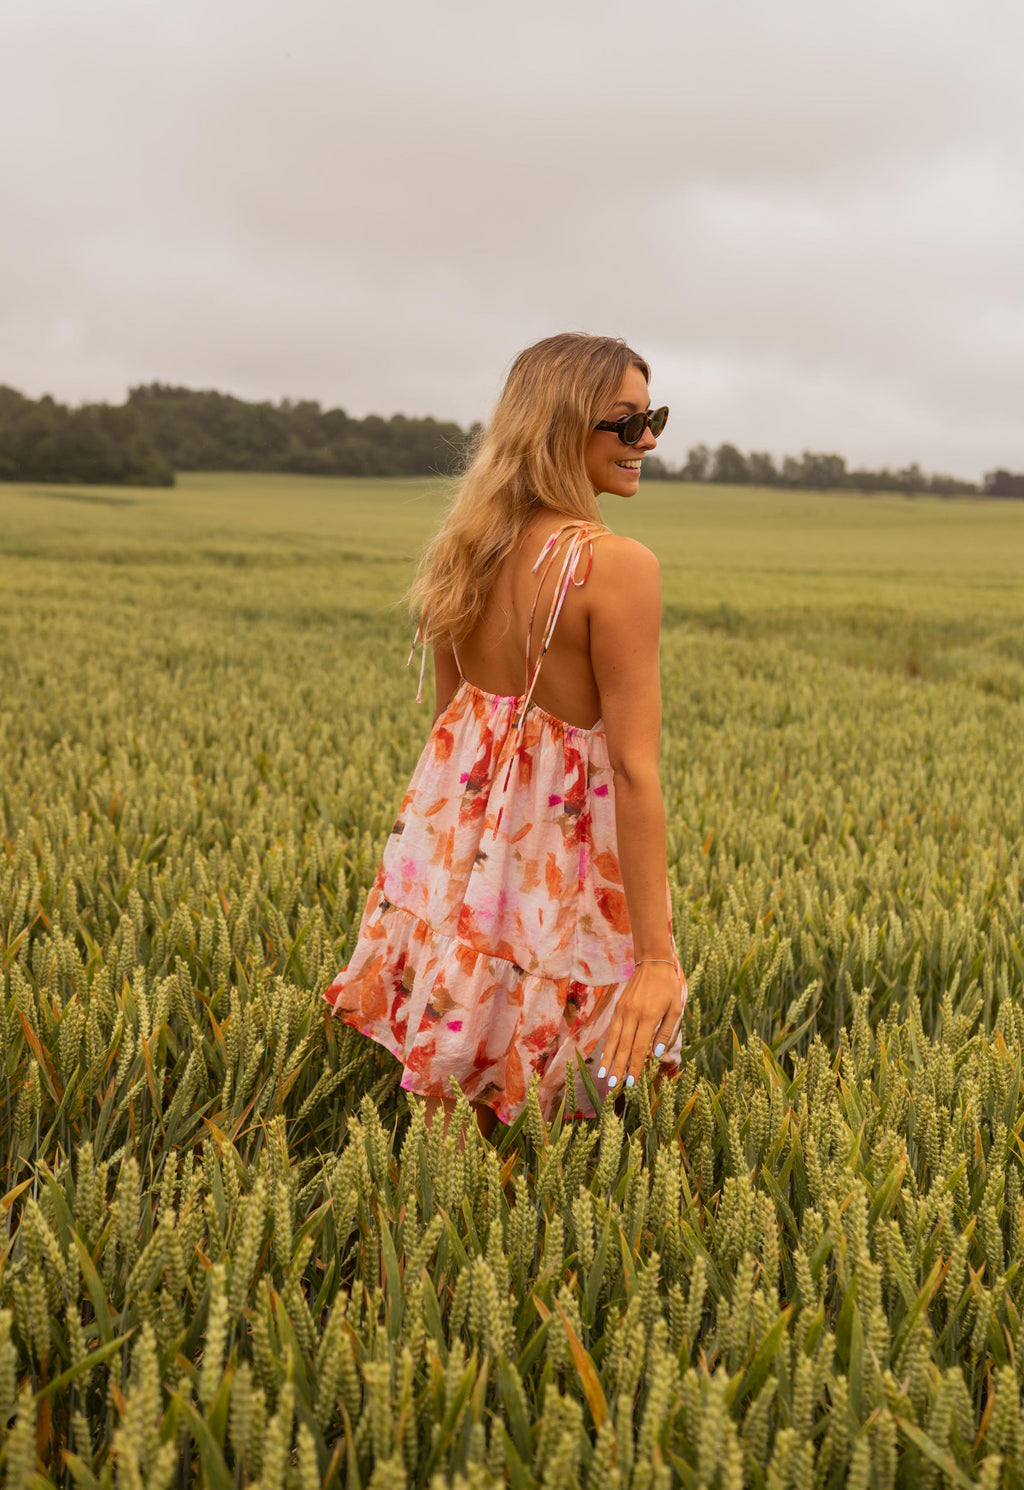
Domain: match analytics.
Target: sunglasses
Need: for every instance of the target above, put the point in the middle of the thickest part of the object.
(630, 428)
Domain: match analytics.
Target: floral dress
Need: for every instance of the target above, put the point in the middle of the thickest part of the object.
(495, 940)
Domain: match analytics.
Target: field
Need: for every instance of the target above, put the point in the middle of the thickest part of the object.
(233, 1253)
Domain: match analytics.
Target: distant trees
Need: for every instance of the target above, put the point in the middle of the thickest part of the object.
(208, 431)
(761, 469)
(821, 472)
(698, 464)
(162, 429)
(729, 466)
(1003, 484)
(41, 440)
(818, 471)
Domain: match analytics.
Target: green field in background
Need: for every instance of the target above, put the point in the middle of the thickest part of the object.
(713, 541)
(232, 1252)
(932, 584)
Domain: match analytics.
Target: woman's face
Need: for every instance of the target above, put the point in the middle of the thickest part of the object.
(611, 465)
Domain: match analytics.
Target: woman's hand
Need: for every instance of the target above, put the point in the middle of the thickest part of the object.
(646, 1021)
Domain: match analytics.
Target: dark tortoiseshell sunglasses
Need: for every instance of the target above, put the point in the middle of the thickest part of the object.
(630, 427)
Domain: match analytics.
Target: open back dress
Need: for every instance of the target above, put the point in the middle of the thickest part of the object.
(495, 940)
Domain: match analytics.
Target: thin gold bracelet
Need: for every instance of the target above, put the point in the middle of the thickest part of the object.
(667, 960)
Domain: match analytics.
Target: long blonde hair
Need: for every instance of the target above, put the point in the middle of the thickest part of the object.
(530, 456)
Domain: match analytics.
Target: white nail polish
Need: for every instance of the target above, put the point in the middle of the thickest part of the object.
(600, 1074)
(612, 1080)
(659, 1050)
(629, 1081)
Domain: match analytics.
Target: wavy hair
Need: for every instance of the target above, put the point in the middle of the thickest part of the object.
(530, 456)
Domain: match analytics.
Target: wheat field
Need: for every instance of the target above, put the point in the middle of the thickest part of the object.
(233, 1253)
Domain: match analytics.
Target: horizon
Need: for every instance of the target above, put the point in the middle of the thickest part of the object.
(671, 466)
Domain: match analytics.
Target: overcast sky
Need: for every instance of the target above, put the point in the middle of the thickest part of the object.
(808, 216)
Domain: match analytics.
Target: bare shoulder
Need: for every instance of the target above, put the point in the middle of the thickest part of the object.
(624, 565)
(617, 551)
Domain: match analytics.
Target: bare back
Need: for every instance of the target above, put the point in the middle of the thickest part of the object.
(493, 655)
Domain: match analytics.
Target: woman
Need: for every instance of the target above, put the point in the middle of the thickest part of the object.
(521, 912)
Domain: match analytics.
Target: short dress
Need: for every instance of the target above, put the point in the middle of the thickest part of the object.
(495, 940)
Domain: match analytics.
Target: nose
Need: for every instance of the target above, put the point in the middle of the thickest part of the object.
(646, 441)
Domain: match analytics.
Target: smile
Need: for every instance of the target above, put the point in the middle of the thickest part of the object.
(629, 465)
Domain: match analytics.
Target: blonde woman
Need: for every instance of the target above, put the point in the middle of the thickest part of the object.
(521, 912)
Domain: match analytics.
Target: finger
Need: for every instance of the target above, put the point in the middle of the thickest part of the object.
(672, 1039)
(609, 1044)
(641, 1048)
(617, 1057)
(665, 1034)
(617, 1063)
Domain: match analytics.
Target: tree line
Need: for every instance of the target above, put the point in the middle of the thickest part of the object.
(161, 429)
(206, 431)
(818, 471)
(42, 440)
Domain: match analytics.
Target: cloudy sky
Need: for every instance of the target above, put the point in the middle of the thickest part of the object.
(808, 216)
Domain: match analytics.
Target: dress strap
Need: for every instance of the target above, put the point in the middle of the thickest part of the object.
(580, 539)
(548, 556)
(420, 636)
(570, 562)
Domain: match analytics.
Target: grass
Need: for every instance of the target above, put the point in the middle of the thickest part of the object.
(233, 1253)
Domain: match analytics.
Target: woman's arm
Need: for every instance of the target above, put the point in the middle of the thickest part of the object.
(446, 678)
(625, 620)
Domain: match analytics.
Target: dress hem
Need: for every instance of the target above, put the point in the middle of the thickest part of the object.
(504, 1115)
